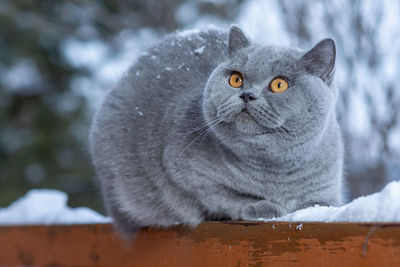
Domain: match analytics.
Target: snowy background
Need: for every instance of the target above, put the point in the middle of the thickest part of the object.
(58, 58)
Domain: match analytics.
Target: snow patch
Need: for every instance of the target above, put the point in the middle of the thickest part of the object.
(32, 77)
(186, 13)
(188, 33)
(200, 50)
(379, 207)
(43, 206)
(265, 29)
(138, 111)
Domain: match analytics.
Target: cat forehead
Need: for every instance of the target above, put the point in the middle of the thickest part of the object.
(268, 60)
(274, 54)
(265, 57)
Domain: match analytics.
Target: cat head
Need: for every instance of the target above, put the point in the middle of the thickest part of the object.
(270, 97)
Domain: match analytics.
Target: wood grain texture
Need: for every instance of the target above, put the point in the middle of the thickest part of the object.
(210, 244)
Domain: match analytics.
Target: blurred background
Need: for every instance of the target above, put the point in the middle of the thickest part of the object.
(59, 58)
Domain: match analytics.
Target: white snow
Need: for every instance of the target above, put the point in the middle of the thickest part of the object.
(84, 54)
(299, 227)
(44, 206)
(186, 13)
(200, 50)
(379, 207)
(26, 68)
(187, 33)
(105, 64)
(267, 29)
(194, 32)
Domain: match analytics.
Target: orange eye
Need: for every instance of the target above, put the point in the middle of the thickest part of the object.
(236, 80)
(279, 85)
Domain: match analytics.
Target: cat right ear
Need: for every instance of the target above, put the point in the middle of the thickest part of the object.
(320, 60)
(237, 40)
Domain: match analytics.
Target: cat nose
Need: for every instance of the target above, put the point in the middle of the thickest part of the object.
(247, 97)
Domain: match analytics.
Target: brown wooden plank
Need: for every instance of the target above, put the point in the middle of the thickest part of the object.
(210, 244)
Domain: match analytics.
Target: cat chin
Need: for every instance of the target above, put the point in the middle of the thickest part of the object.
(245, 124)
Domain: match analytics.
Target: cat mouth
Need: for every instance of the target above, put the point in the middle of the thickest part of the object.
(248, 124)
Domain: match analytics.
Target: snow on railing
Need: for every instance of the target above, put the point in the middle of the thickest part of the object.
(42, 206)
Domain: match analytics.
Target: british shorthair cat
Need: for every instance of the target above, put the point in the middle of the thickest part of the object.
(208, 125)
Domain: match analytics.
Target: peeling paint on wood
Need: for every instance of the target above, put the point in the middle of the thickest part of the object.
(210, 244)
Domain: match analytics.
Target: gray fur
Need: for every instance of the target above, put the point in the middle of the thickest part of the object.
(174, 142)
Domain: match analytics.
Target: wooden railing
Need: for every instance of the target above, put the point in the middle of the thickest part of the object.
(210, 244)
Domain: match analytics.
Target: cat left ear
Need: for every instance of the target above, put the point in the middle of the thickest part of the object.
(320, 60)
(237, 40)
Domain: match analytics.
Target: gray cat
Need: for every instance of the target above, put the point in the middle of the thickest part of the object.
(209, 126)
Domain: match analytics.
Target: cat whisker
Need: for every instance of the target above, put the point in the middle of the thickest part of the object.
(267, 116)
(225, 110)
(285, 131)
(204, 136)
(279, 133)
(262, 108)
(193, 130)
(203, 132)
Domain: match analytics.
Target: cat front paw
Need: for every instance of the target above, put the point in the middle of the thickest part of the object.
(262, 209)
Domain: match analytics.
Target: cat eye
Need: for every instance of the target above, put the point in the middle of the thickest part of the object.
(279, 85)
(236, 80)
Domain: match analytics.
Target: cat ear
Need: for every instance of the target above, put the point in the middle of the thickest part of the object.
(320, 60)
(237, 40)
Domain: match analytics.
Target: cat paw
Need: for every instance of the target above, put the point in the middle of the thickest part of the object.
(262, 209)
